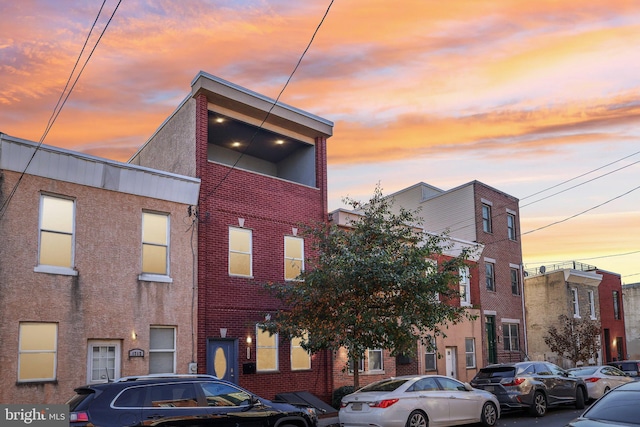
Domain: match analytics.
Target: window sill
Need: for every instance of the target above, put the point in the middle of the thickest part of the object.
(154, 278)
(52, 269)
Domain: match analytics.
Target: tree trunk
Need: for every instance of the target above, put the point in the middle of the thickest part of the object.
(356, 373)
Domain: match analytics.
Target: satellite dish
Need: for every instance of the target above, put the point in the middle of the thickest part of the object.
(543, 269)
(526, 274)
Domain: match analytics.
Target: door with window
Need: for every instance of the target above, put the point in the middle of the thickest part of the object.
(103, 361)
(490, 329)
(451, 362)
(222, 360)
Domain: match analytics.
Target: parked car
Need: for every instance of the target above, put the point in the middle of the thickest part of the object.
(630, 367)
(418, 401)
(185, 400)
(533, 386)
(617, 408)
(600, 379)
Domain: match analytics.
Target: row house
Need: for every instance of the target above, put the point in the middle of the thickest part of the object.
(263, 171)
(578, 291)
(476, 212)
(456, 355)
(631, 298)
(96, 273)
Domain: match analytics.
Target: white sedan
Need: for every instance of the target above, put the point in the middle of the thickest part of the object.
(418, 401)
(600, 379)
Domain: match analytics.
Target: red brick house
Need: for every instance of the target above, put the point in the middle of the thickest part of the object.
(263, 172)
(612, 319)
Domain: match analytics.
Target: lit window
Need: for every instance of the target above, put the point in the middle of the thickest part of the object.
(510, 337)
(470, 352)
(37, 354)
(57, 222)
(375, 360)
(240, 252)
(511, 226)
(490, 276)
(486, 218)
(155, 243)
(266, 350)
(465, 286)
(515, 281)
(300, 358)
(293, 257)
(162, 350)
(574, 302)
(430, 354)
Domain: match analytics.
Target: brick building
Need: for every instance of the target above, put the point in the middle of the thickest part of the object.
(95, 271)
(476, 212)
(612, 317)
(263, 172)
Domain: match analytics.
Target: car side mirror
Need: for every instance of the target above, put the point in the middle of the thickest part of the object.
(468, 387)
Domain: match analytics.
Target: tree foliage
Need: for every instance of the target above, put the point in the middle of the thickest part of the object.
(575, 339)
(370, 285)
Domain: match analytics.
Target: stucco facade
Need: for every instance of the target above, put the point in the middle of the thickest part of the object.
(631, 298)
(92, 320)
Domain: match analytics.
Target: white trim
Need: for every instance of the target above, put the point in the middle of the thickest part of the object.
(486, 202)
(491, 260)
(506, 320)
(517, 266)
(51, 269)
(117, 362)
(144, 277)
(511, 211)
(490, 312)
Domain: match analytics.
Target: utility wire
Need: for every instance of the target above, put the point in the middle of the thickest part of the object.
(56, 110)
(273, 105)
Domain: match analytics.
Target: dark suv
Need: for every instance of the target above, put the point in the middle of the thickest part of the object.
(629, 367)
(531, 385)
(180, 400)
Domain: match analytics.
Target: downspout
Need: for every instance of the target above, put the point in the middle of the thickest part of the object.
(524, 315)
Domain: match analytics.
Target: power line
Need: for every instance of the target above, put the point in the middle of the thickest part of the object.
(273, 105)
(56, 110)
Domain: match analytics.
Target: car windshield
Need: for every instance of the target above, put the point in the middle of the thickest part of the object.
(616, 406)
(385, 385)
(583, 371)
(502, 372)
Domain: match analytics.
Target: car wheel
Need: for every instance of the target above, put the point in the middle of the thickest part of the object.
(489, 415)
(606, 390)
(539, 407)
(417, 419)
(579, 398)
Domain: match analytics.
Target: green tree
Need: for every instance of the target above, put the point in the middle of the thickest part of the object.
(372, 284)
(575, 339)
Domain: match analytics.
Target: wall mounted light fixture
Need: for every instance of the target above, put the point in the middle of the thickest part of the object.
(249, 347)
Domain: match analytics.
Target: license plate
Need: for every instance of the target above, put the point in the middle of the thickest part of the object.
(356, 406)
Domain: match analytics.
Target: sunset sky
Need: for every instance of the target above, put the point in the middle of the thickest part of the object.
(539, 99)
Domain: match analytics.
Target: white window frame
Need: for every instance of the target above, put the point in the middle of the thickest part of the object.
(56, 269)
(574, 302)
(24, 353)
(514, 272)
(369, 358)
(430, 354)
(465, 286)
(592, 305)
(289, 240)
(470, 355)
(116, 361)
(511, 226)
(172, 351)
(487, 225)
(250, 253)
(296, 348)
(492, 277)
(262, 346)
(156, 277)
(509, 338)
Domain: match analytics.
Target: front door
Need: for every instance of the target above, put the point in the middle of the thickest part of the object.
(222, 360)
(490, 329)
(451, 362)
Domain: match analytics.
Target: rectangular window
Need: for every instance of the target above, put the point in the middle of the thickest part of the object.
(592, 305)
(360, 366)
(37, 352)
(574, 302)
(155, 243)
(465, 286)
(486, 218)
(293, 257)
(162, 350)
(57, 228)
(515, 281)
(266, 350)
(470, 352)
(300, 358)
(103, 361)
(240, 253)
(511, 226)
(510, 337)
(616, 305)
(375, 360)
(430, 355)
(490, 276)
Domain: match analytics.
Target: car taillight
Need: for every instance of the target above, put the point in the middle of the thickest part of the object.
(78, 417)
(383, 403)
(514, 382)
(591, 380)
(343, 404)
